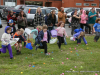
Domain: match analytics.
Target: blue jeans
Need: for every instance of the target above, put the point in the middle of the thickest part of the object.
(65, 41)
(36, 42)
(79, 26)
(78, 40)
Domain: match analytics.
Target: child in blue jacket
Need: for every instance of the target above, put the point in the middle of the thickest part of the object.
(96, 29)
(44, 37)
(78, 36)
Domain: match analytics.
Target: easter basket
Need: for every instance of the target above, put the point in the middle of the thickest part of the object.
(30, 41)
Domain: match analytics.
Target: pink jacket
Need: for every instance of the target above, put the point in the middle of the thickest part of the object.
(61, 31)
(83, 17)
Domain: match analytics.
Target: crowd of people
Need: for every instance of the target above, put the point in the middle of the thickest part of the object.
(43, 26)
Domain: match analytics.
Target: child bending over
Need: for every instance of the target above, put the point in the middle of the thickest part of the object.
(78, 36)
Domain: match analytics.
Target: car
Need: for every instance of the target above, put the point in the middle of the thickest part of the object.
(51, 8)
(30, 13)
(89, 9)
(16, 10)
(6, 11)
(1, 9)
(71, 9)
(36, 6)
(65, 9)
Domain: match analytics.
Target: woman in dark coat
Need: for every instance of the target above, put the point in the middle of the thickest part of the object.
(74, 22)
(51, 20)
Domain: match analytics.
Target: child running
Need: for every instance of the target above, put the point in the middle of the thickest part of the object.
(6, 42)
(60, 33)
(44, 37)
(18, 45)
(96, 29)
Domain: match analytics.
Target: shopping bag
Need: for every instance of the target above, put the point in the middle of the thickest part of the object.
(0, 23)
(29, 46)
(28, 31)
(13, 41)
(52, 41)
(54, 33)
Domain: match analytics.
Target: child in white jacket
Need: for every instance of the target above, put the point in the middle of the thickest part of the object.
(6, 41)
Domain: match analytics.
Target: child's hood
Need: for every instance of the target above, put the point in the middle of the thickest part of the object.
(6, 28)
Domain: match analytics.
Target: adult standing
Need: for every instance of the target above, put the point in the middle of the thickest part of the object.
(92, 17)
(22, 22)
(39, 18)
(83, 22)
(75, 21)
(62, 15)
(80, 13)
(11, 16)
(46, 18)
(51, 20)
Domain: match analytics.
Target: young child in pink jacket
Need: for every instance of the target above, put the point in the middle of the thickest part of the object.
(60, 32)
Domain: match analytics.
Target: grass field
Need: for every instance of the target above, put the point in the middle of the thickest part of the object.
(73, 59)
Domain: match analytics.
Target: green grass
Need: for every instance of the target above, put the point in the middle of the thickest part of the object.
(85, 58)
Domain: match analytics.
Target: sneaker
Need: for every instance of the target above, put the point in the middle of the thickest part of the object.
(36, 47)
(17, 52)
(11, 58)
(79, 43)
(59, 48)
(95, 41)
(46, 54)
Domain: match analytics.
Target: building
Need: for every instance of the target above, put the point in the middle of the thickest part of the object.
(53, 3)
(80, 3)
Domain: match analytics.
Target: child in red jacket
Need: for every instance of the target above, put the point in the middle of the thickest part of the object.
(11, 16)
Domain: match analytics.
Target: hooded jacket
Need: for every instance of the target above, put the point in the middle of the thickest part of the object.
(83, 17)
(13, 29)
(41, 35)
(5, 37)
(77, 34)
